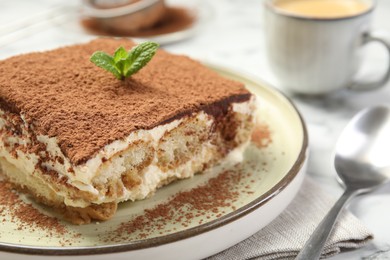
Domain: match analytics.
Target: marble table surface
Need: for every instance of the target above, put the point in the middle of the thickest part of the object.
(233, 36)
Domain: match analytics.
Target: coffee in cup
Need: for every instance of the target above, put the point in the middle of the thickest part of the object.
(315, 46)
(323, 8)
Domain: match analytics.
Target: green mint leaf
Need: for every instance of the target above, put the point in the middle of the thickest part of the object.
(120, 54)
(120, 58)
(139, 56)
(107, 62)
(123, 63)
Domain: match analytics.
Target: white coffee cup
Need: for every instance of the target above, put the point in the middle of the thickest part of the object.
(317, 55)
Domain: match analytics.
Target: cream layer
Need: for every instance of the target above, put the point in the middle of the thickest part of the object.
(110, 162)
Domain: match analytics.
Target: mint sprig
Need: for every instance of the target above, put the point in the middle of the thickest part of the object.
(124, 64)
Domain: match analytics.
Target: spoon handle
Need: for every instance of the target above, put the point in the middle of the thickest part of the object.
(313, 247)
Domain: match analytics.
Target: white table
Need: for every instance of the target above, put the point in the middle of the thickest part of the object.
(234, 38)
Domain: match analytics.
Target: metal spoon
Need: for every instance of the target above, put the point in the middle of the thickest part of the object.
(362, 163)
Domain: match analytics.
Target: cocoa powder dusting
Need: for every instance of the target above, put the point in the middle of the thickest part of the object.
(175, 19)
(25, 216)
(205, 201)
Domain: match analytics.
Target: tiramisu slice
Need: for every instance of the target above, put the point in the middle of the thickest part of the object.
(80, 140)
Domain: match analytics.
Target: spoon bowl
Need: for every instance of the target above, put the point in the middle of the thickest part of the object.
(362, 164)
(361, 157)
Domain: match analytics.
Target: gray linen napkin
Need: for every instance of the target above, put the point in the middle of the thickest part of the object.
(286, 235)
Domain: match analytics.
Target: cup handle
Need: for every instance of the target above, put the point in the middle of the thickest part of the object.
(381, 37)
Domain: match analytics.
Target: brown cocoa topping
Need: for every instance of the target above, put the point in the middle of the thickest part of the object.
(210, 200)
(63, 95)
(24, 214)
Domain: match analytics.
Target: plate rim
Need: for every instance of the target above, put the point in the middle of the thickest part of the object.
(197, 230)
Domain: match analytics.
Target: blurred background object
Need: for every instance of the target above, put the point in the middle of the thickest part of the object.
(163, 21)
(123, 17)
(133, 17)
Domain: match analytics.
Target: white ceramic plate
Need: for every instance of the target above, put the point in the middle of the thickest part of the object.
(269, 178)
